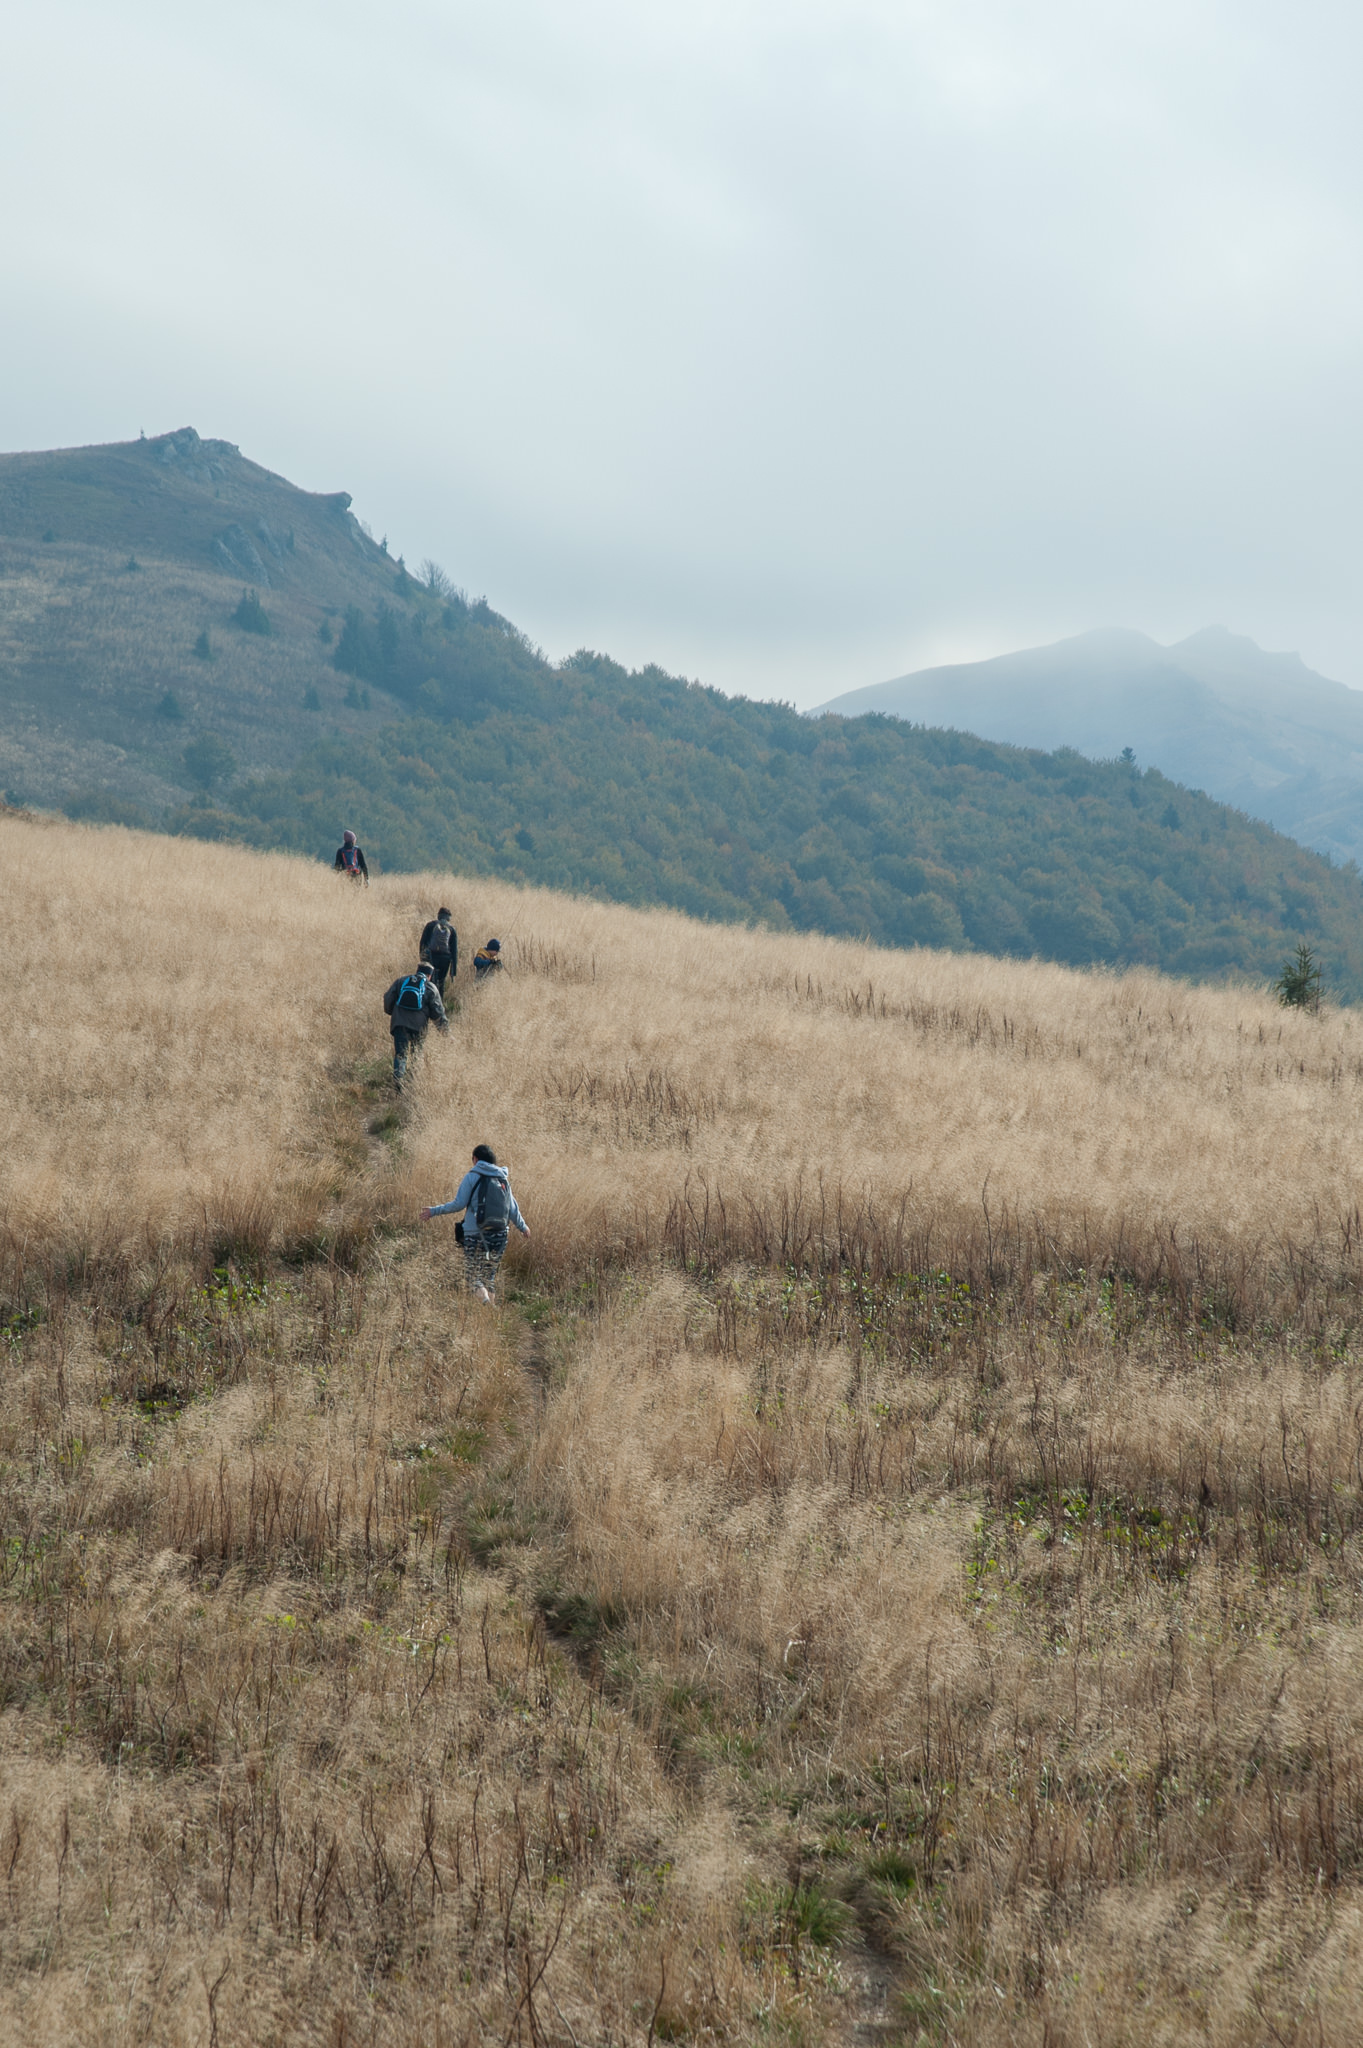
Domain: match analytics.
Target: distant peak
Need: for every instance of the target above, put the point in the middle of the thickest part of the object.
(185, 444)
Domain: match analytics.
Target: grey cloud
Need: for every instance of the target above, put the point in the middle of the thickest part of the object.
(791, 346)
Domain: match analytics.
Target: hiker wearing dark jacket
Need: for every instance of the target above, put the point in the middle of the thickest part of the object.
(484, 1195)
(440, 945)
(350, 860)
(410, 1005)
(488, 959)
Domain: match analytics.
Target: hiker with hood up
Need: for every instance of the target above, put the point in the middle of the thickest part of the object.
(488, 1204)
(410, 1005)
(350, 860)
(440, 945)
(488, 959)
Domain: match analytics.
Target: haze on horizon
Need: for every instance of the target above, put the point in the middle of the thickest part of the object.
(792, 347)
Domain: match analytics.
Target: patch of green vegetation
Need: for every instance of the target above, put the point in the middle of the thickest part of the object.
(102, 807)
(20, 1323)
(162, 1400)
(537, 1309)
(209, 760)
(895, 1871)
(252, 616)
(232, 1290)
(494, 1524)
(792, 1918)
(579, 1618)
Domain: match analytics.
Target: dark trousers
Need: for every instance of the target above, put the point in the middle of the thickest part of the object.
(441, 963)
(404, 1042)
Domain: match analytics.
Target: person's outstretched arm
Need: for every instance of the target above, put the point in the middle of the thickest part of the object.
(461, 1200)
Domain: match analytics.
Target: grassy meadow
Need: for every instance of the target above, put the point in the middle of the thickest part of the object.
(889, 1568)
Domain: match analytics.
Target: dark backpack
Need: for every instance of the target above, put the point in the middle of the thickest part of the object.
(493, 1211)
(412, 994)
(350, 855)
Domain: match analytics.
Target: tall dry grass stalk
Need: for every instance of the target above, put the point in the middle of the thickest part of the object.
(893, 1563)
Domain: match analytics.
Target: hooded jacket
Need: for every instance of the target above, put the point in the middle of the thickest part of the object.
(468, 1193)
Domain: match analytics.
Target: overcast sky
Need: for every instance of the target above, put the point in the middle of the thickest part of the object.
(791, 345)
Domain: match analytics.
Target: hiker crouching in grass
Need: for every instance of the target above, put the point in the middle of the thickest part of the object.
(489, 1206)
(488, 959)
(410, 1005)
(440, 945)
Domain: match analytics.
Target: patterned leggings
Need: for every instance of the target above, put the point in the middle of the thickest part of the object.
(482, 1256)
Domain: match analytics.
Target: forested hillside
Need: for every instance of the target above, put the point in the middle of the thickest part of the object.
(648, 789)
(191, 643)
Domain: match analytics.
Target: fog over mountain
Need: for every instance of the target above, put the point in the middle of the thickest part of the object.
(1254, 729)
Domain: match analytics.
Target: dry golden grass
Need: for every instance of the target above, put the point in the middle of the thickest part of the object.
(890, 1570)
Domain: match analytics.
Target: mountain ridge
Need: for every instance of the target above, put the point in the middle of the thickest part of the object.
(1253, 728)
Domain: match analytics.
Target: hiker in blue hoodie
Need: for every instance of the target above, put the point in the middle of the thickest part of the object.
(412, 1002)
(488, 1204)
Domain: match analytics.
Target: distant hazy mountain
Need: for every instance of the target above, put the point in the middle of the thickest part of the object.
(1260, 731)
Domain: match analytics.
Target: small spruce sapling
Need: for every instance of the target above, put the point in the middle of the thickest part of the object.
(203, 647)
(251, 615)
(1298, 987)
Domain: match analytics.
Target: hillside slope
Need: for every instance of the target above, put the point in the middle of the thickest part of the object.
(432, 726)
(113, 562)
(889, 1568)
(1257, 730)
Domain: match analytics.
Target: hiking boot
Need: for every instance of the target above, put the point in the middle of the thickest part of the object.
(482, 1292)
